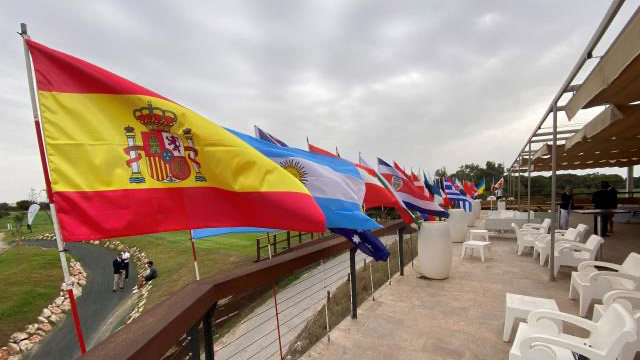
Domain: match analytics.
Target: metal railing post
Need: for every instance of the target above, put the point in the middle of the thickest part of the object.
(193, 343)
(352, 276)
(208, 328)
(529, 186)
(401, 250)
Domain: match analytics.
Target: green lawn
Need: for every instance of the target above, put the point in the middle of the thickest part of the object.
(30, 278)
(41, 224)
(171, 253)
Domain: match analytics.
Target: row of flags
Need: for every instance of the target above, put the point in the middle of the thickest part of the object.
(127, 161)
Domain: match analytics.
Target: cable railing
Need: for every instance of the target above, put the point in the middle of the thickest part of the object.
(175, 328)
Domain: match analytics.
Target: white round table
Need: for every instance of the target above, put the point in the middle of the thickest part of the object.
(434, 249)
(457, 225)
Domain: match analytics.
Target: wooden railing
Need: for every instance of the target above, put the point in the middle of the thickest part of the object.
(187, 316)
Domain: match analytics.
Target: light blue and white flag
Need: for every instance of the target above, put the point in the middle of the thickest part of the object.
(335, 184)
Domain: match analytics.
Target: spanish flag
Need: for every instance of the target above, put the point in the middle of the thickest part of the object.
(124, 161)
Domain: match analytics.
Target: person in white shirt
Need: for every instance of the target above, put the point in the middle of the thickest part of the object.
(125, 263)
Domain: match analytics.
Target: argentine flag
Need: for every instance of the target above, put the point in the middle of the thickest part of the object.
(335, 184)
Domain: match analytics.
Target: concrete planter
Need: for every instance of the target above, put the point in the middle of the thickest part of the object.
(457, 225)
(477, 207)
(434, 249)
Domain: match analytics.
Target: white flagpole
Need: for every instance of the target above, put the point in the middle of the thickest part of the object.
(67, 285)
(193, 251)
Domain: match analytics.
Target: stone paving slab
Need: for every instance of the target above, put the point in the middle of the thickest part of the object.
(461, 317)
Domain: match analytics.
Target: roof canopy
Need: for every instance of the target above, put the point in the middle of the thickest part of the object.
(611, 139)
(616, 77)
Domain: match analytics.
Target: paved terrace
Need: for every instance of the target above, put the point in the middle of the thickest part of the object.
(460, 317)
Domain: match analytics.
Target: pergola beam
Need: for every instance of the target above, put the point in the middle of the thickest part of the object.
(586, 55)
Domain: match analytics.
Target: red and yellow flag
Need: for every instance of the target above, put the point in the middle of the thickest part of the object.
(124, 161)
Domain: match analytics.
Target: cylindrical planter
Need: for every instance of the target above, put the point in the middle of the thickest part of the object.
(434, 249)
(457, 225)
(471, 218)
(502, 205)
(477, 207)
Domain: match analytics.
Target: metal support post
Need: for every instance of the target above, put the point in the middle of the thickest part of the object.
(401, 250)
(529, 186)
(354, 293)
(630, 181)
(519, 183)
(552, 229)
(193, 343)
(208, 328)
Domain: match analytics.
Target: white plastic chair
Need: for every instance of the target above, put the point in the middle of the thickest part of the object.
(630, 300)
(524, 238)
(542, 247)
(581, 227)
(542, 228)
(590, 283)
(573, 253)
(540, 338)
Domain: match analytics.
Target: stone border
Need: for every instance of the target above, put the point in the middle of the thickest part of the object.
(140, 258)
(21, 342)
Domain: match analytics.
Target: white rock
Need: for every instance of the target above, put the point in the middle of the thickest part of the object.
(65, 307)
(42, 320)
(54, 318)
(17, 337)
(45, 313)
(31, 328)
(58, 301)
(82, 282)
(13, 348)
(45, 327)
(25, 345)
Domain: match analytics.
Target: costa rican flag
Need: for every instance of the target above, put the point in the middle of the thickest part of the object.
(406, 191)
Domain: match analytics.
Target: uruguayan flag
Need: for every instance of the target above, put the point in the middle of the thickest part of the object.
(334, 183)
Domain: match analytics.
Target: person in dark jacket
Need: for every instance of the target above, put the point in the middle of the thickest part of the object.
(151, 274)
(118, 272)
(612, 203)
(601, 200)
(566, 205)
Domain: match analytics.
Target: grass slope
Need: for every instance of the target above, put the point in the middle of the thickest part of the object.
(41, 224)
(171, 253)
(30, 278)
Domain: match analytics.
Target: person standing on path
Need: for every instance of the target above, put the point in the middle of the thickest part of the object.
(118, 272)
(125, 263)
(566, 205)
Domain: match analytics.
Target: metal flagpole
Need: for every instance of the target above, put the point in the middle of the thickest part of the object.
(67, 285)
(193, 251)
(552, 241)
(529, 186)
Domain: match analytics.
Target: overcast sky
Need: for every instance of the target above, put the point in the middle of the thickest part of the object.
(425, 83)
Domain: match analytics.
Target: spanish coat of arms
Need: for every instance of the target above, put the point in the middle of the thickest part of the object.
(165, 152)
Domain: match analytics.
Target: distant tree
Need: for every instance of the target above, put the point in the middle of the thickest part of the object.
(23, 205)
(4, 206)
(44, 205)
(441, 172)
(18, 219)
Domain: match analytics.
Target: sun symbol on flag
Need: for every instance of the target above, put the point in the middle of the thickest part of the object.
(296, 169)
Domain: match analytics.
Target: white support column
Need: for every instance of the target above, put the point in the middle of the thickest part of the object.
(529, 185)
(630, 180)
(552, 228)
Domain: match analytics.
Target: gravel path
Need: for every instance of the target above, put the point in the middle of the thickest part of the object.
(256, 337)
(101, 311)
